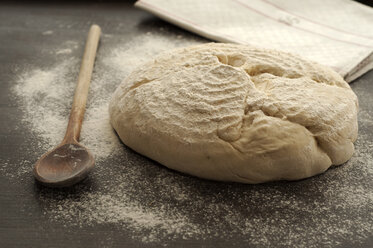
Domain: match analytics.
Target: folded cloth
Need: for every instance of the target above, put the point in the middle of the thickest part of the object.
(336, 33)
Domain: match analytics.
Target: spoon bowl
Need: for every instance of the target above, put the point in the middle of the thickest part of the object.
(64, 166)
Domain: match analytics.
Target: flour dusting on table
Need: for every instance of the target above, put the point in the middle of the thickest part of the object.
(150, 203)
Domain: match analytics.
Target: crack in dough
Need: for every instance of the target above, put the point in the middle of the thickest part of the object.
(141, 82)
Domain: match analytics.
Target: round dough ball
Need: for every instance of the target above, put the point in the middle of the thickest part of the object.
(237, 113)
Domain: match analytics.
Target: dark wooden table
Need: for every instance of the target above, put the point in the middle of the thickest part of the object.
(26, 220)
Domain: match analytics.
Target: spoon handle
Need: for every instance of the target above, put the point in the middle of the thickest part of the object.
(81, 90)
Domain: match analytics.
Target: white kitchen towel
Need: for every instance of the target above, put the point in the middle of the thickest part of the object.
(337, 33)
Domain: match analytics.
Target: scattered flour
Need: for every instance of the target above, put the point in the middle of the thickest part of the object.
(48, 32)
(44, 95)
(153, 204)
(64, 51)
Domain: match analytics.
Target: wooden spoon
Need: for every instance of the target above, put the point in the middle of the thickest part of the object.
(70, 162)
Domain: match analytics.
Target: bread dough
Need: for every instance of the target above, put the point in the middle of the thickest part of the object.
(237, 113)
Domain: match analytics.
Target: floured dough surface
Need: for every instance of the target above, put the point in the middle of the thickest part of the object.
(237, 113)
